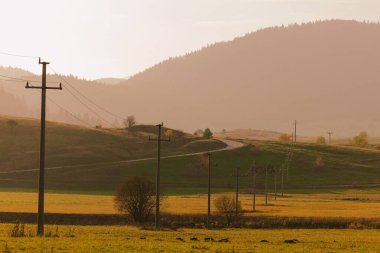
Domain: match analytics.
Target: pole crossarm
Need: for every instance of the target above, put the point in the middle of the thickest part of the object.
(46, 88)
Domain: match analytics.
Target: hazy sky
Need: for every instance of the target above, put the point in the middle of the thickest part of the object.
(118, 38)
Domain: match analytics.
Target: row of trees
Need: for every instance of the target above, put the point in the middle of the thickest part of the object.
(204, 133)
(360, 140)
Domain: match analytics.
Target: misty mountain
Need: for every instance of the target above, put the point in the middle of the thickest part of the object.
(324, 74)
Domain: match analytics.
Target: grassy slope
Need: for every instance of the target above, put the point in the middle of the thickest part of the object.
(341, 165)
(72, 145)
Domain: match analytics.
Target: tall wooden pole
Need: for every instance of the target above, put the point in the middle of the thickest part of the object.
(237, 193)
(157, 216)
(41, 178)
(254, 190)
(266, 185)
(159, 140)
(209, 192)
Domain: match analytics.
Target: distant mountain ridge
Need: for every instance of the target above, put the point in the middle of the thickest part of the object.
(324, 74)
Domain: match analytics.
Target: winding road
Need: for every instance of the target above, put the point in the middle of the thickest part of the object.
(231, 145)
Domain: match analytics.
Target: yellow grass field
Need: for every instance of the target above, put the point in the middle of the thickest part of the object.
(351, 204)
(131, 239)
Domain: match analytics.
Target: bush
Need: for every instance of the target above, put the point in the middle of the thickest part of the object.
(284, 138)
(360, 140)
(136, 197)
(321, 140)
(226, 206)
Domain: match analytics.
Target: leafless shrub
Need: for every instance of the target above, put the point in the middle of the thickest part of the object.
(136, 197)
(226, 206)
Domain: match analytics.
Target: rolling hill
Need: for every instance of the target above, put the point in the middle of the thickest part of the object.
(324, 74)
(85, 160)
(68, 145)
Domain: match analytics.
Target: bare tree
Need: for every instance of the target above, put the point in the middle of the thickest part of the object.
(129, 122)
(136, 197)
(226, 206)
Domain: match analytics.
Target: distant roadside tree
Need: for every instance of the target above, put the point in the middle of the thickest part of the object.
(12, 124)
(284, 138)
(199, 132)
(321, 140)
(226, 206)
(168, 133)
(361, 140)
(129, 122)
(207, 133)
(136, 197)
(224, 131)
(319, 163)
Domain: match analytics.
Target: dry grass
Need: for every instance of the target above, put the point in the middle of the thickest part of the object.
(351, 204)
(130, 239)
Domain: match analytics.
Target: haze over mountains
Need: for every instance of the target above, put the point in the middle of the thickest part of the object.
(324, 74)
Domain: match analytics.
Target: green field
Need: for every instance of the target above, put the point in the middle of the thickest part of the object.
(130, 239)
(314, 168)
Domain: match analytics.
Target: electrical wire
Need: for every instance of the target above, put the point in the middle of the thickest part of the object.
(19, 55)
(87, 98)
(89, 108)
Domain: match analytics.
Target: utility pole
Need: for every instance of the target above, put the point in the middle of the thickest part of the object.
(209, 192)
(282, 180)
(275, 185)
(295, 131)
(41, 181)
(237, 192)
(330, 133)
(159, 140)
(266, 185)
(254, 187)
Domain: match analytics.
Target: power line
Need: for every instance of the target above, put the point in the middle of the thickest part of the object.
(89, 108)
(7, 80)
(67, 111)
(19, 55)
(21, 79)
(14, 78)
(87, 98)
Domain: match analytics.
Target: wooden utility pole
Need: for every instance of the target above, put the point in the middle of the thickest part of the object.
(237, 193)
(295, 131)
(275, 185)
(209, 192)
(254, 187)
(266, 185)
(159, 140)
(41, 181)
(330, 133)
(282, 180)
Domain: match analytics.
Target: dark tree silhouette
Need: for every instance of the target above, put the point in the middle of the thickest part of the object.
(136, 197)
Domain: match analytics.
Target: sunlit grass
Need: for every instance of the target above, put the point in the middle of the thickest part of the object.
(131, 239)
(347, 204)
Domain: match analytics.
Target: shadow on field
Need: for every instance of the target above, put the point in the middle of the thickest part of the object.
(195, 221)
